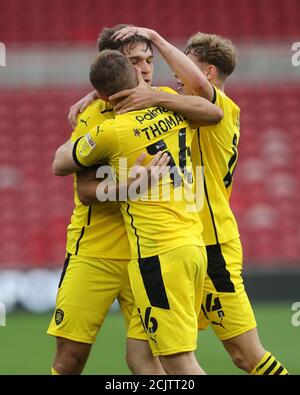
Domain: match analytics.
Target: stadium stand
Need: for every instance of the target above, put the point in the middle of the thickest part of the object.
(56, 20)
(267, 181)
(36, 206)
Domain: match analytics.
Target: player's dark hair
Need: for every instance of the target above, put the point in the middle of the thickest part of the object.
(213, 49)
(112, 72)
(105, 40)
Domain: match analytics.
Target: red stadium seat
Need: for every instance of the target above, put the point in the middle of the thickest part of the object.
(36, 206)
(66, 20)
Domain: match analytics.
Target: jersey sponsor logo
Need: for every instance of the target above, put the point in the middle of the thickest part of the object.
(59, 316)
(151, 114)
(86, 145)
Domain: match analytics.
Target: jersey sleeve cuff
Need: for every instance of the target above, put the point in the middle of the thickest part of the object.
(75, 155)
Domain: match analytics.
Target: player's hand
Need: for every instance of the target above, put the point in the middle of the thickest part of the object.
(131, 31)
(80, 106)
(144, 177)
(158, 167)
(143, 96)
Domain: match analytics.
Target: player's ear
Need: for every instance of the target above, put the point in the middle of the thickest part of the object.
(211, 72)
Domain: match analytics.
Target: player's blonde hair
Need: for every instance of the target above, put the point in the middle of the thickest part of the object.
(213, 49)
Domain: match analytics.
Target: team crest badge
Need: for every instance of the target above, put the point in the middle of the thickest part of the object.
(59, 316)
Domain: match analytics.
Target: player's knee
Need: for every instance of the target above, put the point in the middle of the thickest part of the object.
(172, 366)
(70, 357)
(131, 360)
(143, 363)
(181, 363)
(136, 363)
(246, 358)
(240, 361)
(68, 363)
(137, 360)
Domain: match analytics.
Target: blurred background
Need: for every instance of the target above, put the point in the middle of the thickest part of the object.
(49, 47)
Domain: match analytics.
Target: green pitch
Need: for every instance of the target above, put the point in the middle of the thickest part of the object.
(26, 349)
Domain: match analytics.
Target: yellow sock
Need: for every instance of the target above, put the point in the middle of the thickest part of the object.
(268, 365)
(54, 372)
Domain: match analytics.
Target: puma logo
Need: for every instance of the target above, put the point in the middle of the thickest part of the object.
(85, 121)
(218, 323)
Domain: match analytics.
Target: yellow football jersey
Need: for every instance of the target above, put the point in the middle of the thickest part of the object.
(215, 148)
(164, 220)
(96, 231)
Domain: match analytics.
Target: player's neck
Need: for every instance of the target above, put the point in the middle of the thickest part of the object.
(219, 84)
(115, 102)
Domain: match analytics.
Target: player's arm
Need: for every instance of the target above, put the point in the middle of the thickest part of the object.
(94, 190)
(64, 163)
(63, 160)
(195, 108)
(87, 151)
(181, 64)
(87, 184)
(80, 106)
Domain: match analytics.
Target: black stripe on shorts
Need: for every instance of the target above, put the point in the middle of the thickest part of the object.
(66, 264)
(153, 282)
(216, 269)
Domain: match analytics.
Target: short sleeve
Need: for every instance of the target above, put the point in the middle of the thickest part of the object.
(99, 144)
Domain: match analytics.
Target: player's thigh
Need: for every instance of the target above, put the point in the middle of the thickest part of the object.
(225, 303)
(167, 290)
(126, 302)
(87, 289)
(135, 329)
